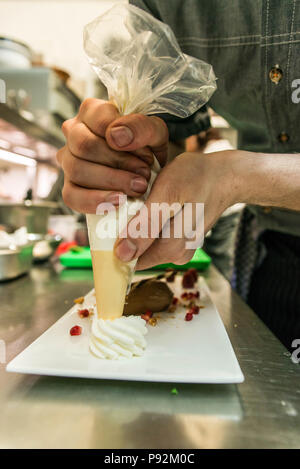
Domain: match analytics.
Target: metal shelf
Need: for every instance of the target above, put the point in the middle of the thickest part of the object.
(30, 128)
(34, 135)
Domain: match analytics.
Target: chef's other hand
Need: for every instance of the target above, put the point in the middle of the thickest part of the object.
(191, 177)
(107, 155)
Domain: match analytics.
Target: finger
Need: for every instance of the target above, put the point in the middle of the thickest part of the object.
(86, 145)
(163, 251)
(136, 131)
(152, 217)
(97, 115)
(86, 200)
(59, 155)
(66, 126)
(94, 176)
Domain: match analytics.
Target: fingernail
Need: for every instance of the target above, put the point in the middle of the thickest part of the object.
(143, 172)
(122, 135)
(126, 250)
(115, 199)
(138, 185)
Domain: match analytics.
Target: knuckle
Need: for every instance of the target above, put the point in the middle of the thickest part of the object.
(110, 180)
(79, 142)
(101, 125)
(143, 122)
(64, 126)
(107, 114)
(86, 105)
(149, 126)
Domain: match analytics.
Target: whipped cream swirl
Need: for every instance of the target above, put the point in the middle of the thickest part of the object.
(118, 338)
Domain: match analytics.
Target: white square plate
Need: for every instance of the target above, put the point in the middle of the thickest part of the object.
(197, 351)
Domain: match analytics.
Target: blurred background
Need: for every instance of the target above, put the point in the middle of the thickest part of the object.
(46, 76)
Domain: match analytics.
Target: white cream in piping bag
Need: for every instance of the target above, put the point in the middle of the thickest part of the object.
(113, 335)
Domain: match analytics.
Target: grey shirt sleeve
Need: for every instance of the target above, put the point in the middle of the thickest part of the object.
(179, 129)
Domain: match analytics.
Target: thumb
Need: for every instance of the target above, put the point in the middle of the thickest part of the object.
(136, 131)
(154, 216)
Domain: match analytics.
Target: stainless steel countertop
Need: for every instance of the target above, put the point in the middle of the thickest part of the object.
(48, 412)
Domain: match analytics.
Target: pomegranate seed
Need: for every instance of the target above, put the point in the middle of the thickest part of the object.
(188, 317)
(175, 301)
(195, 309)
(194, 273)
(75, 330)
(188, 280)
(197, 294)
(148, 314)
(84, 313)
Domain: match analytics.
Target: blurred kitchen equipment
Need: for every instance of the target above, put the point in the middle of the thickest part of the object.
(15, 261)
(44, 249)
(32, 214)
(14, 54)
(63, 75)
(46, 95)
(64, 225)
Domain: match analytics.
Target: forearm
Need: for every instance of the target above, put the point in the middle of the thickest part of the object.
(266, 179)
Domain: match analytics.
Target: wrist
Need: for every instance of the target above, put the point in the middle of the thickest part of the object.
(229, 174)
(243, 171)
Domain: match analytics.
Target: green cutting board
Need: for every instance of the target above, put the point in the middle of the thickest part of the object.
(200, 261)
(77, 259)
(81, 258)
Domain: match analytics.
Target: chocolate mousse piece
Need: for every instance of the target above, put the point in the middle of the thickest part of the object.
(148, 295)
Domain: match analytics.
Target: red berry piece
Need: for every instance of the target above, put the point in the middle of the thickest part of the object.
(84, 313)
(147, 315)
(175, 301)
(188, 317)
(75, 330)
(188, 280)
(195, 309)
(194, 273)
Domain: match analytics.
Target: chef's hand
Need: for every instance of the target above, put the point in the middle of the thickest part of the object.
(107, 155)
(191, 177)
